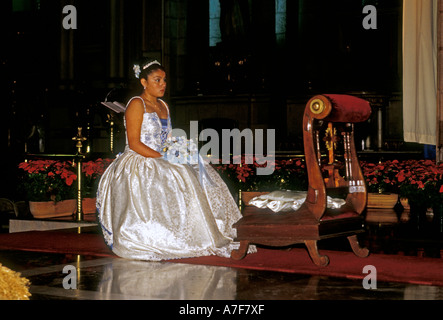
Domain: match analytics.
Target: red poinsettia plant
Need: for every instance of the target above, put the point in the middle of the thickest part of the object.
(431, 177)
(419, 181)
(92, 171)
(242, 174)
(382, 176)
(46, 180)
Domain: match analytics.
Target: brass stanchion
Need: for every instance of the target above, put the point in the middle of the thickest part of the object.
(79, 138)
(111, 134)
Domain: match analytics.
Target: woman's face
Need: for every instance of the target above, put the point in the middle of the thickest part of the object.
(155, 84)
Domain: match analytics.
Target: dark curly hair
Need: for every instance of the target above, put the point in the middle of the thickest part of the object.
(153, 67)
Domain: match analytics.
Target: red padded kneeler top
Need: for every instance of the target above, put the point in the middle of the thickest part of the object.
(347, 108)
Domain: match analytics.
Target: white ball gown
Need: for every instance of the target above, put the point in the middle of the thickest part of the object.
(151, 209)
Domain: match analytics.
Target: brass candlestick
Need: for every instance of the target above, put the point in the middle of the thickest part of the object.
(79, 138)
(111, 134)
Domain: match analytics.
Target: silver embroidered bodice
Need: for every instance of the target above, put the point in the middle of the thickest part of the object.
(152, 133)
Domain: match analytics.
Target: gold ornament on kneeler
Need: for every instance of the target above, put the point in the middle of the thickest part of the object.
(331, 140)
(317, 106)
(334, 179)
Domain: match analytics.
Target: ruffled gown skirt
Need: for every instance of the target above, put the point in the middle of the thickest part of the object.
(150, 209)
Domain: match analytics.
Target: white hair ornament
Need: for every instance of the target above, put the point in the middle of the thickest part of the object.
(137, 69)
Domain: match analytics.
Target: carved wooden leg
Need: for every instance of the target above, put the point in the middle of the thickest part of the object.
(319, 260)
(359, 251)
(241, 252)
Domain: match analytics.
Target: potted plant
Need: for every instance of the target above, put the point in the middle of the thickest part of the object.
(381, 177)
(417, 184)
(92, 171)
(241, 176)
(436, 197)
(49, 187)
(381, 183)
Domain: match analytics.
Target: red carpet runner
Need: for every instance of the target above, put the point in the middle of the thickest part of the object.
(393, 268)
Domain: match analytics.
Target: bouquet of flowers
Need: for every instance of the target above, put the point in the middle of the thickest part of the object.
(180, 150)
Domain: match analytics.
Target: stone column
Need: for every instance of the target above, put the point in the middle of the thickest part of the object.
(116, 52)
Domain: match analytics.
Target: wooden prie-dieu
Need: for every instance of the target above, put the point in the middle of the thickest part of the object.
(332, 168)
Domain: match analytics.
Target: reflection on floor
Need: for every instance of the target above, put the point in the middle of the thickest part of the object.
(99, 278)
(120, 279)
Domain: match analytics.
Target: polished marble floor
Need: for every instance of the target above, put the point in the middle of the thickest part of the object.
(98, 278)
(119, 279)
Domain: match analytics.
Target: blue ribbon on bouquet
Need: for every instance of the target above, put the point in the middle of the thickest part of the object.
(203, 173)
